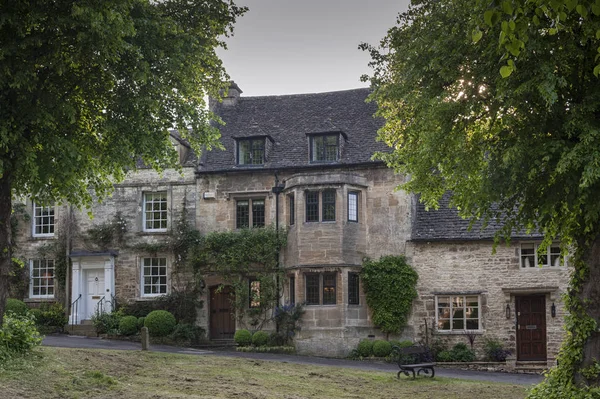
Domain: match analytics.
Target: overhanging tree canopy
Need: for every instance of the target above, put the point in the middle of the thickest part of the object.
(529, 144)
(89, 88)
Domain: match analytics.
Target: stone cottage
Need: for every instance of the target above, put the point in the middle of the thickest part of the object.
(312, 155)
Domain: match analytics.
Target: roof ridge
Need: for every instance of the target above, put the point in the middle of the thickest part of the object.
(305, 94)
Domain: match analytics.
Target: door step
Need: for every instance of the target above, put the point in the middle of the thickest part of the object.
(531, 367)
(217, 344)
(85, 330)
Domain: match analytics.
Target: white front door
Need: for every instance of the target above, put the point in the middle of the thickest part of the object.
(95, 290)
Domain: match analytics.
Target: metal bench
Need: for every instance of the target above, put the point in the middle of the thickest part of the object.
(413, 359)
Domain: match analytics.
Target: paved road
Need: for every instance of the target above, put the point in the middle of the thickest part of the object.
(67, 341)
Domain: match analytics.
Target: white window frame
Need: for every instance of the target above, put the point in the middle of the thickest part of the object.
(34, 219)
(465, 329)
(47, 278)
(549, 254)
(143, 276)
(145, 212)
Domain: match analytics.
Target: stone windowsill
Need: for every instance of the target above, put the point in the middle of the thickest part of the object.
(461, 332)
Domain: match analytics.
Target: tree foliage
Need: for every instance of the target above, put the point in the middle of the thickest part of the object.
(90, 88)
(523, 150)
(390, 286)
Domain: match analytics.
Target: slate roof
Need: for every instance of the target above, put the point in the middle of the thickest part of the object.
(288, 121)
(444, 224)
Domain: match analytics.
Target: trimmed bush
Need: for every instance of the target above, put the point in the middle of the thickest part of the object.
(461, 353)
(187, 333)
(443, 356)
(140, 322)
(16, 306)
(52, 315)
(128, 325)
(365, 348)
(401, 344)
(160, 323)
(107, 323)
(243, 337)
(260, 338)
(382, 348)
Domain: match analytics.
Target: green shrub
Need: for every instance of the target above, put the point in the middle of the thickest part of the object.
(494, 351)
(160, 323)
(242, 337)
(401, 344)
(187, 333)
(16, 306)
(37, 315)
(382, 348)
(140, 322)
(107, 323)
(365, 348)
(461, 353)
(52, 315)
(288, 318)
(139, 309)
(18, 334)
(443, 356)
(128, 325)
(260, 338)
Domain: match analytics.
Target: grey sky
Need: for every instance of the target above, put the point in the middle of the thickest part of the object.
(305, 46)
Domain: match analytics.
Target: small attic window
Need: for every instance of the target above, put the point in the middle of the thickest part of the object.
(325, 148)
(251, 151)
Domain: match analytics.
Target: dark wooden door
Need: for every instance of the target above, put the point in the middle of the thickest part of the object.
(531, 327)
(222, 319)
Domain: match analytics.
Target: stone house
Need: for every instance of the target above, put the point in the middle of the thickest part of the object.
(312, 155)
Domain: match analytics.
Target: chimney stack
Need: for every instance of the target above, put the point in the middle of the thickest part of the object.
(233, 93)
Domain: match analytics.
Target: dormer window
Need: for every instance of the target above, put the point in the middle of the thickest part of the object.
(251, 151)
(325, 148)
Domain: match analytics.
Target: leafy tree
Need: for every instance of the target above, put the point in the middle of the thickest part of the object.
(89, 88)
(524, 150)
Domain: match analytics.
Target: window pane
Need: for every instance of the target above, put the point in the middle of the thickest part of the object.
(527, 256)
(312, 289)
(329, 297)
(353, 289)
(242, 214)
(329, 205)
(155, 211)
(312, 206)
(258, 151)
(243, 152)
(555, 258)
(292, 209)
(472, 324)
(258, 213)
(318, 147)
(458, 324)
(353, 207)
(254, 293)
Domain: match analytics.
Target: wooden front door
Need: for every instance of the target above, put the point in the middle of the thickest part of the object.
(222, 318)
(531, 327)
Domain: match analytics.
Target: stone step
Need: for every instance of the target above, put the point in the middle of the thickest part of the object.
(531, 367)
(85, 330)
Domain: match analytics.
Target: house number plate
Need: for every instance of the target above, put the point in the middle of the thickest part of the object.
(531, 327)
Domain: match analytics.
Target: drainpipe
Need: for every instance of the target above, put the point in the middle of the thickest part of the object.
(67, 257)
(277, 189)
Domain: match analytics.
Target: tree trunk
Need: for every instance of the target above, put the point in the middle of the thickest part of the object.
(5, 240)
(589, 297)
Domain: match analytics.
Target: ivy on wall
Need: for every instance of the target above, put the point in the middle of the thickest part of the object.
(390, 288)
(240, 256)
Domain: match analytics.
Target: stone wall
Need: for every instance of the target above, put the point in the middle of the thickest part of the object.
(470, 267)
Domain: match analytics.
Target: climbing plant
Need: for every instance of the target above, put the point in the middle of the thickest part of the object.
(390, 288)
(247, 260)
(111, 232)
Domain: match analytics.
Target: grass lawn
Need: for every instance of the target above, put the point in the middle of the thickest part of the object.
(77, 373)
